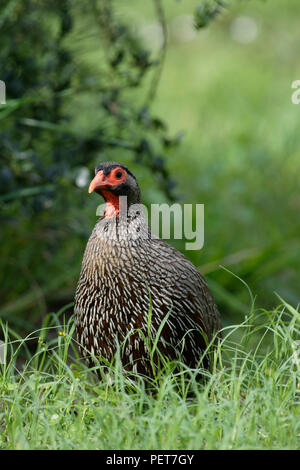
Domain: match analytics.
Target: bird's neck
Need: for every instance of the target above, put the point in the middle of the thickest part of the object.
(116, 205)
(112, 204)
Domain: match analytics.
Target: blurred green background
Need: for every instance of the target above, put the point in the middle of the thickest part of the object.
(200, 114)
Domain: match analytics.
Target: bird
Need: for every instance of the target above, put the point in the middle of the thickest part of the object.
(136, 290)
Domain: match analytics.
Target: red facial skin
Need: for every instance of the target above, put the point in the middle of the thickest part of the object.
(103, 184)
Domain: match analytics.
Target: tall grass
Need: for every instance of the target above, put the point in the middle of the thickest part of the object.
(250, 399)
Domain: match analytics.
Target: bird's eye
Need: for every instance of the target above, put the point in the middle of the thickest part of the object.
(119, 174)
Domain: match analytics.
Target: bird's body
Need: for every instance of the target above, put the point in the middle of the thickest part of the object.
(131, 284)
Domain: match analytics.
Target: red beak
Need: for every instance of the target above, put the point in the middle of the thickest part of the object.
(98, 182)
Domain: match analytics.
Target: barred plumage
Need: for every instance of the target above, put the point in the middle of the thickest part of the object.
(124, 269)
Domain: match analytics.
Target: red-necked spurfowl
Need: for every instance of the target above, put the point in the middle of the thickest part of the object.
(128, 274)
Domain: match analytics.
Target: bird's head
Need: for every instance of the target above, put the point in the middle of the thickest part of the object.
(112, 180)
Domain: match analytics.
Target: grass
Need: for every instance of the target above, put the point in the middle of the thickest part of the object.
(250, 399)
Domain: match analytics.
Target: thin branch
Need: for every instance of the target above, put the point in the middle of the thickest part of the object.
(162, 55)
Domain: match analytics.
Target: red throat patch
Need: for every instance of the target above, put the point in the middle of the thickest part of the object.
(112, 204)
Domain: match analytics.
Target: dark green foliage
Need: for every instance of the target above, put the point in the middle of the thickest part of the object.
(40, 143)
(48, 149)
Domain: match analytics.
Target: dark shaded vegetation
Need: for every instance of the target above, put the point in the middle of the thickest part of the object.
(48, 154)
